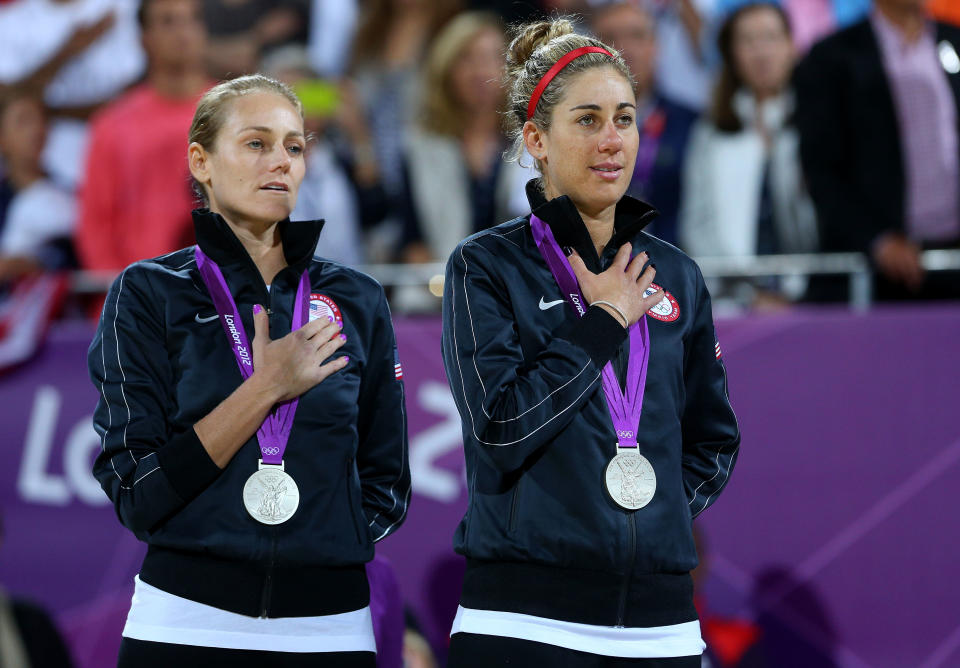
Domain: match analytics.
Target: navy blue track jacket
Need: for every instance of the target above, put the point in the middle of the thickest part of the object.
(541, 535)
(161, 362)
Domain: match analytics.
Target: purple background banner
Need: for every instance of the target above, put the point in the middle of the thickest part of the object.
(837, 535)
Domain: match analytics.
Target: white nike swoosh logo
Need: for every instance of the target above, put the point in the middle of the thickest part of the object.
(199, 319)
(545, 305)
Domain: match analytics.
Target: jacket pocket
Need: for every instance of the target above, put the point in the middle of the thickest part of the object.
(350, 478)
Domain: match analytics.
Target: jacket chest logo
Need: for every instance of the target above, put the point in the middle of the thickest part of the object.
(322, 306)
(667, 310)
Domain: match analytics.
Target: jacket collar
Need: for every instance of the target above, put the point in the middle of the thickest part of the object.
(221, 245)
(568, 228)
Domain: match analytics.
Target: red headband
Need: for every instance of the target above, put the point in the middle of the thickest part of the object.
(555, 70)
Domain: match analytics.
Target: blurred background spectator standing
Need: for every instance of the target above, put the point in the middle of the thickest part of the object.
(240, 31)
(37, 215)
(78, 54)
(389, 48)
(664, 124)
(136, 197)
(744, 192)
(877, 112)
(458, 182)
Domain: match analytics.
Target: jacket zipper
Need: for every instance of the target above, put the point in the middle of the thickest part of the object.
(268, 580)
(267, 295)
(628, 575)
(514, 503)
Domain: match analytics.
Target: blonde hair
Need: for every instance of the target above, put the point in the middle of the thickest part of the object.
(535, 48)
(213, 107)
(441, 111)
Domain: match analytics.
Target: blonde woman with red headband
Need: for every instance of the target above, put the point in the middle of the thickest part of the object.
(582, 356)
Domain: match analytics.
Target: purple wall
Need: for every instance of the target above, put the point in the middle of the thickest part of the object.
(836, 534)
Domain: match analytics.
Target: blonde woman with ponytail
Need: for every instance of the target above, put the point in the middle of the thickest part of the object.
(251, 415)
(582, 356)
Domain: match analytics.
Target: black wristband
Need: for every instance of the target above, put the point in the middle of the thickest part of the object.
(187, 464)
(598, 332)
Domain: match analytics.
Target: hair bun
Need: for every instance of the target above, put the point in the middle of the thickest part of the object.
(528, 38)
(533, 51)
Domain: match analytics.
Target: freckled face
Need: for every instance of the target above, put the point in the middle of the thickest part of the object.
(256, 166)
(590, 149)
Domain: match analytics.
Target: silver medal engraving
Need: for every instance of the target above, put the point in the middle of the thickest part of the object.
(270, 495)
(631, 481)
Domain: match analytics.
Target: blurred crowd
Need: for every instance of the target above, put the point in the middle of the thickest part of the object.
(798, 126)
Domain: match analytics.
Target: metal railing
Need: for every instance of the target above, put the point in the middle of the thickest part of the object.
(853, 265)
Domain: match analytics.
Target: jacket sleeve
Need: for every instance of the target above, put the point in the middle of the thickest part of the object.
(510, 405)
(711, 436)
(147, 471)
(382, 456)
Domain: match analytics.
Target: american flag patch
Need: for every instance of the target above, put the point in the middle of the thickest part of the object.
(397, 368)
(716, 349)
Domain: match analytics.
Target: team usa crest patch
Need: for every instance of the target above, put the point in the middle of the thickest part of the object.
(667, 310)
(322, 306)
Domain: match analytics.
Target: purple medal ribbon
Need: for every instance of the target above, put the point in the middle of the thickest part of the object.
(625, 406)
(274, 433)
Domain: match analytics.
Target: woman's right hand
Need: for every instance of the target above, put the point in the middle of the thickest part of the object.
(621, 284)
(295, 363)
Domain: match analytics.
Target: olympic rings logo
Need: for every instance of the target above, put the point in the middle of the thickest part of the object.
(624, 434)
(272, 450)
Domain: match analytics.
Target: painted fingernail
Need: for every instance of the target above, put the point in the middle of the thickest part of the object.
(343, 337)
(257, 308)
(654, 265)
(330, 318)
(340, 324)
(346, 359)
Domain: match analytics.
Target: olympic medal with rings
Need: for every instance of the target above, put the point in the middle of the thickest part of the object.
(630, 479)
(270, 495)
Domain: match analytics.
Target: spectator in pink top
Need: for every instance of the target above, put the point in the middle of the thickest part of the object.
(136, 199)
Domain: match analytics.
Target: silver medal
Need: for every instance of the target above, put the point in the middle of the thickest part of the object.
(631, 481)
(270, 495)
